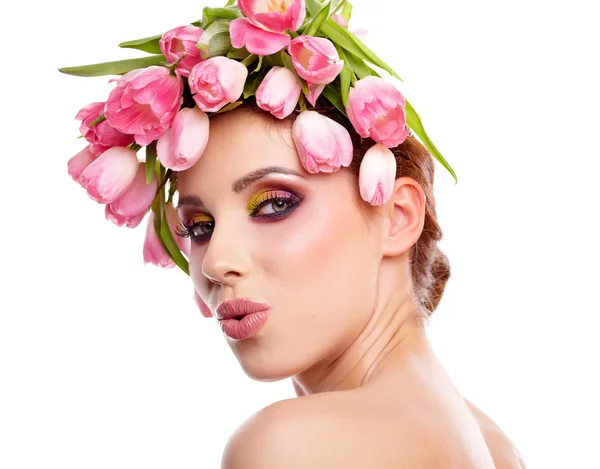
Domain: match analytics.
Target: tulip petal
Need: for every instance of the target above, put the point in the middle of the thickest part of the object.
(108, 177)
(257, 41)
(314, 91)
(202, 306)
(79, 162)
(153, 250)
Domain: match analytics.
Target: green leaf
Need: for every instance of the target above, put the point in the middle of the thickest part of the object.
(170, 245)
(347, 11)
(359, 66)
(119, 67)
(238, 54)
(318, 19)
(210, 15)
(229, 107)
(215, 40)
(313, 6)
(374, 73)
(347, 76)
(287, 63)
(335, 97)
(414, 122)
(150, 161)
(161, 227)
(351, 43)
(253, 82)
(230, 2)
(147, 44)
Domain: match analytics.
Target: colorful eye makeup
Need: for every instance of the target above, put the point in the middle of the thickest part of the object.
(276, 199)
(273, 204)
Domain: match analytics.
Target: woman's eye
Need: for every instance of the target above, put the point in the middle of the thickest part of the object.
(273, 206)
(200, 228)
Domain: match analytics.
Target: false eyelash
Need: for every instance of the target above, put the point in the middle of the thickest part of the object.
(186, 232)
(183, 231)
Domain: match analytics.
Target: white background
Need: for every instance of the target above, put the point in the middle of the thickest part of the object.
(106, 362)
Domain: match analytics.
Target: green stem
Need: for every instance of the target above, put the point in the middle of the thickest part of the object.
(249, 60)
(302, 103)
(99, 119)
(162, 184)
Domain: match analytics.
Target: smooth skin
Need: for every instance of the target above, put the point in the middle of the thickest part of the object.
(371, 392)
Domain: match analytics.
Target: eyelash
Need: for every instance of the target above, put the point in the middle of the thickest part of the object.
(292, 201)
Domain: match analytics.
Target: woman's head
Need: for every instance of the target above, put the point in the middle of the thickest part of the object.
(318, 254)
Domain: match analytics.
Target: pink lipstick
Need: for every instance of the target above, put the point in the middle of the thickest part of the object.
(242, 318)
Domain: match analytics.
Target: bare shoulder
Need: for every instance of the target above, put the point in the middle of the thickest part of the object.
(503, 450)
(333, 430)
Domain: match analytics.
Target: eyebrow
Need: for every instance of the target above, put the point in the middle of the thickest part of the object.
(240, 184)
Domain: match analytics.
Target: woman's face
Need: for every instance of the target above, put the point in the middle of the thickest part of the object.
(313, 259)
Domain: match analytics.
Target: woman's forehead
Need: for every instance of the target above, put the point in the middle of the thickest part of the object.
(240, 142)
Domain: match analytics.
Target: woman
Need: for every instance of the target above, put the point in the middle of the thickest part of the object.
(349, 287)
(309, 232)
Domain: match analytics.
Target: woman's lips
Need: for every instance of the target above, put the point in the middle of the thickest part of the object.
(248, 326)
(239, 307)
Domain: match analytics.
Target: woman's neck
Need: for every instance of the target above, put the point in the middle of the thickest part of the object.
(393, 334)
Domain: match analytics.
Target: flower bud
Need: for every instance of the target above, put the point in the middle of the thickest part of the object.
(144, 103)
(217, 82)
(182, 40)
(182, 145)
(79, 162)
(376, 110)
(101, 135)
(322, 144)
(377, 175)
(108, 176)
(279, 92)
(131, 207)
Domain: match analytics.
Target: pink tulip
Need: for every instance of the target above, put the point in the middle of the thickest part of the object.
(317, 61)
(377, 175)
(153, 251)
(131, 207)
(376, 110)
(204, 309)
(244, 33)
(339, 19)
(216, 82)
(182, 145)
(279, 92)
(182, 40)
(79, 162)
(144, 103)
(322, 144)
(108, 176)
(102, 135)
(277, 16)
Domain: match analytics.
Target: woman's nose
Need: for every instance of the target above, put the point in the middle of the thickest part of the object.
(227, 258)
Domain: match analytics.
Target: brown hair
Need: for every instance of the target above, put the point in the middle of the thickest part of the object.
(430, 267)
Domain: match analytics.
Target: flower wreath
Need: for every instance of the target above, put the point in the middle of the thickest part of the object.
(285, 53)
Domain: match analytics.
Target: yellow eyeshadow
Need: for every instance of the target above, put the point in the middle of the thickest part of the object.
(198, 219)
(256, 200)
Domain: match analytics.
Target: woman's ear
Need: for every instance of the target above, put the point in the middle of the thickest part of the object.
(405, 211)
